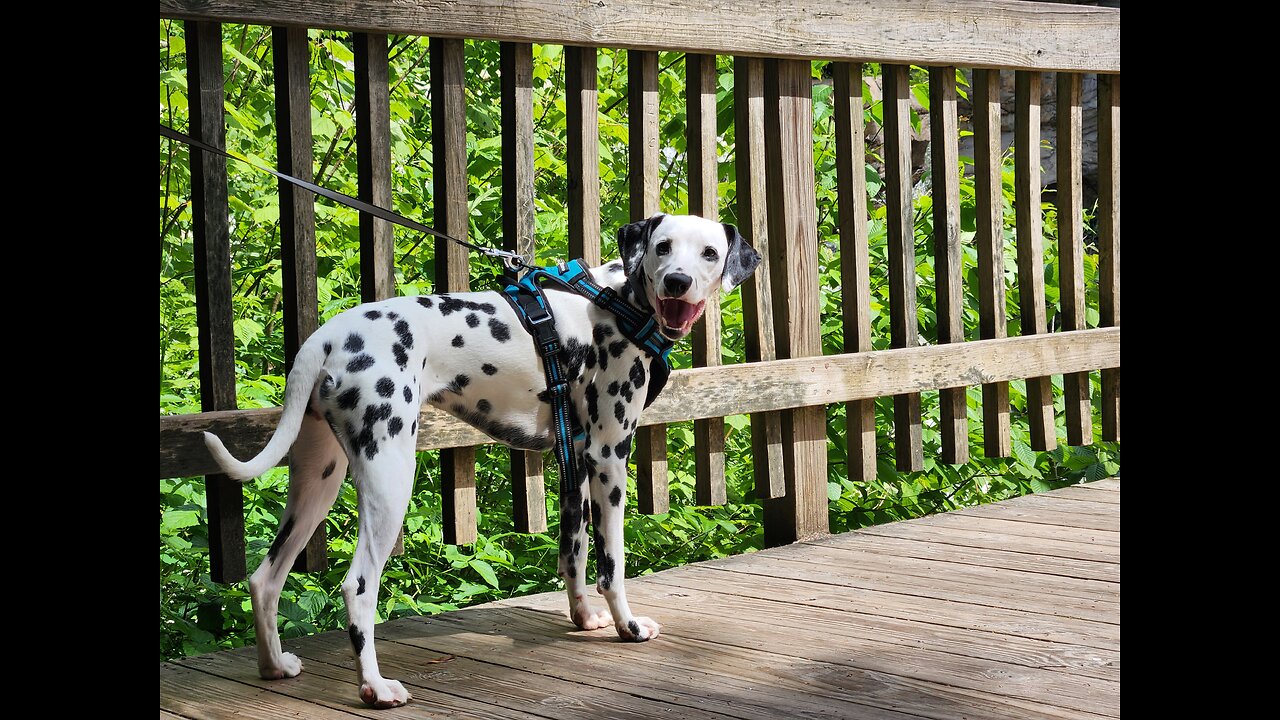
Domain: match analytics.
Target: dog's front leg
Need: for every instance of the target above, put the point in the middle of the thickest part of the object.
(574, 509)
(608, 483)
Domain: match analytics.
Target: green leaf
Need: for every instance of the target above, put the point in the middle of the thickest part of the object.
(485, 570)
(1024, 454)
(174, 519)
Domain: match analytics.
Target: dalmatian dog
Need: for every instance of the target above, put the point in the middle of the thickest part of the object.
(354, 392)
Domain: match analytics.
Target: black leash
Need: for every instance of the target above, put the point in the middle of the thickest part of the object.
(512, 261)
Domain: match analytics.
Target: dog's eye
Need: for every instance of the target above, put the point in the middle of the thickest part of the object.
(710, 254)
(663, 247)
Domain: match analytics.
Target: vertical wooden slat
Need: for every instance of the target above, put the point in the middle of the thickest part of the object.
(990, 241)
(583, 164)
(373, 169)
(449, 156)
(1109, 239)
(1030, 246)
(899, 215)
(700, 101)
(642, 123)
(855, 268)
(796, 299)
(944, 132)
(757, 295)
(212, 254)
(529, 505)
(1075, 386)
(291, 54)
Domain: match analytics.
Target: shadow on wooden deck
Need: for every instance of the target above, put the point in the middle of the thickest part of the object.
(1009, 610)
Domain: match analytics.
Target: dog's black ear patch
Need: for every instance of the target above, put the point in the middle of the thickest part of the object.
(740, 260)
(633, 239)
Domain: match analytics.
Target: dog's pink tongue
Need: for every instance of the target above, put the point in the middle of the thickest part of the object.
(678, 313)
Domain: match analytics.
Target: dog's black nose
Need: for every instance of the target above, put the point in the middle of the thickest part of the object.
(677, 284)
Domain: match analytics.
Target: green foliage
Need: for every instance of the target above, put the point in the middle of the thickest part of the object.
(197, 615)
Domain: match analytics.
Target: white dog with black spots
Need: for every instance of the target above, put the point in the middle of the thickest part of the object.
(353, 396)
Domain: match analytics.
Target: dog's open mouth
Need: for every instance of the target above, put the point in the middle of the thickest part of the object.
(678, 316)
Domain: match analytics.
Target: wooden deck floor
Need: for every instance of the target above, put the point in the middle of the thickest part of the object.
(1009, 610)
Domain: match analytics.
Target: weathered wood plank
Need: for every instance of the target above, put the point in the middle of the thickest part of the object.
(522, 692)
(1000, 541)
(700, 102)
(900, 219)
(989, 202)
(793, 263)
(1030, 246)
(967, 33)
(1084, 493)
(449, 153)
(725, 390)
(1109, 239)
(1087, 536)
(650, 457)
(291, 56)
(1032, 514)
(855, 267)
(944, 133)
(529, 505)
(757, 294)
(1070, 204)
(201, 696)
(583, 162)
(212, 257)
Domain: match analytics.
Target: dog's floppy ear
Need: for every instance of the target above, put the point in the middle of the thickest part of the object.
(740, 260)
(633, 239)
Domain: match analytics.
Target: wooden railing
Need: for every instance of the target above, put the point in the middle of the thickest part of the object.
(787, 381)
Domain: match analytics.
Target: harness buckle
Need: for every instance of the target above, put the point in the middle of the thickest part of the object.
(605, 298)
(545, 316)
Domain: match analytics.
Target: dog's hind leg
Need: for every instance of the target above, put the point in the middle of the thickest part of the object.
(317, 465)
(575, 509)
(384, 483)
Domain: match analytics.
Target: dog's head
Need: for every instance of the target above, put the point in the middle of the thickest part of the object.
(678, 262)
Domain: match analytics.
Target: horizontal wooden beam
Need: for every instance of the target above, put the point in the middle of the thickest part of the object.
(724, 390)
(967, 33)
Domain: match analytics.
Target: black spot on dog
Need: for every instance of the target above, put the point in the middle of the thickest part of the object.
(348, 399)
(617, 346)
(499, 330)
(626, 392)
(577, 546)
(376, 413)
(354, 343)
(458, 341)
(373, 314)
(351, 437)
(371, 449)
(360, 587)
(634, 627)
(425, 302)
(408, 395)
(603, 358)
(613, 388)
(328, 469)
(459, 382)
(394, 426)
(488, 369)
(486, 308)
(363, 361)
(604, 567)
(402, 357)
(424, 362)
(402, 331)
(413, 427)
(604, 451)
(601, 332)
(636, 373)
(593, 399)
(575, 354)
(328, 348)
(544, 396)
(385, 387)
(615, 267)
(619, 412)
(615, 496)
(280, 540)
(483, 405)
(449, 305)
(622, 448)
(357, 639)
(473, 320)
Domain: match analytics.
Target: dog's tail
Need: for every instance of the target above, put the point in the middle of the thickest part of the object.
(302, 378)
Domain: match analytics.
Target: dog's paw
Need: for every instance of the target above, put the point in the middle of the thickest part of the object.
(639, 629)
(289, 667)
(587, 619)
(383, 693)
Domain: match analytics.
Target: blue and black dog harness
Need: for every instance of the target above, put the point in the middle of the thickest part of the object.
(527, 297)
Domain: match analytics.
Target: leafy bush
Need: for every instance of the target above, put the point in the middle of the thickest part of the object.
(197, 615)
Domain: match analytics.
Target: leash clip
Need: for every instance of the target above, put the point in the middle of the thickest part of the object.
(510, 260)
